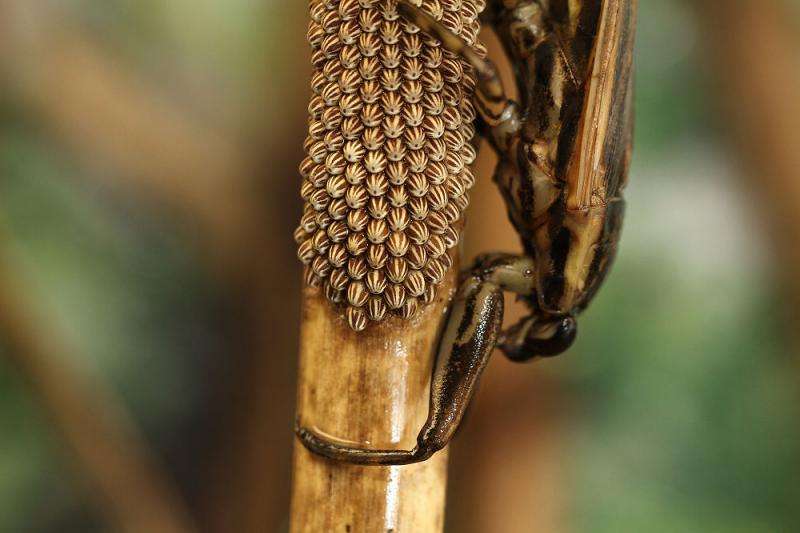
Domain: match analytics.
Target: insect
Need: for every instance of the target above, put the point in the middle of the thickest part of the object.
(564, 150)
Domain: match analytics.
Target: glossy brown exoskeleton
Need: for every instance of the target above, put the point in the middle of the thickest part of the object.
(564, 151)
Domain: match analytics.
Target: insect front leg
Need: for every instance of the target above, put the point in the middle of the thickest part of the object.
(470, 336)
(473, 332)
(538, 335)
(535, 337)
(468, 340)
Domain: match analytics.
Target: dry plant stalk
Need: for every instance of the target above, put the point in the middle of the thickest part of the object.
(131, 489)
(385, 186)
(370, 388)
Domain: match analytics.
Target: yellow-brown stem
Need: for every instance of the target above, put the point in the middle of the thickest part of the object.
(372, 389)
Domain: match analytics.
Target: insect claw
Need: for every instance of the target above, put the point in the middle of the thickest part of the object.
(531, 338)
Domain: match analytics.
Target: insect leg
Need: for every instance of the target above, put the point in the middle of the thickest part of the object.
(533, 337)
(500, 113)
(537, 335)
(467, 343)
(489, 83)
(470, 336)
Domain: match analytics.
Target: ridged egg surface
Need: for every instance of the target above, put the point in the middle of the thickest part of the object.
(389, 150)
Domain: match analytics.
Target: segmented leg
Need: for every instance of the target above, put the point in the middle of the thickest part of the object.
(537, 335)
(468, 340)
(499, 113)
(471, 334)
(489, 83)
(533, 337)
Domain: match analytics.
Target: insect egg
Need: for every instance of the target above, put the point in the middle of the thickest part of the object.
(388, 154)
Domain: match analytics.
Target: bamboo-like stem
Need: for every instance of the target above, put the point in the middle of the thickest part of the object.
(372, 389)
(128, 485)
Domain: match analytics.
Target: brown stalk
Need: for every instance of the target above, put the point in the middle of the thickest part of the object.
(371, 387)
(127, 483)
(381, 211)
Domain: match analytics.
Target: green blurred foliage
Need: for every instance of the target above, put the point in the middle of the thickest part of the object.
(123, 291)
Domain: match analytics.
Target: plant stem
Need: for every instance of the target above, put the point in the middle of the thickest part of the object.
(372, 388)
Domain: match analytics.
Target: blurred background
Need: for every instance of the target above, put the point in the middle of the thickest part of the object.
(148, 194)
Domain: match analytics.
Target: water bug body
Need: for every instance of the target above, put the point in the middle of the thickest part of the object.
(563, 157)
